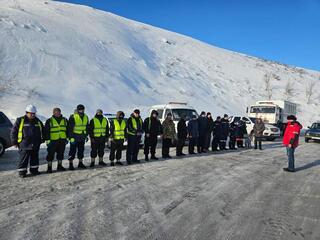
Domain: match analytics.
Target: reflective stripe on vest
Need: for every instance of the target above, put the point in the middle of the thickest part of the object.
(80, 125)
(119, 129)
(99, 128)
(58, 131)
(134, 125)
(20, 132)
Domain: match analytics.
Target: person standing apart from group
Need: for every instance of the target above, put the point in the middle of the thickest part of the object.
(291, 141)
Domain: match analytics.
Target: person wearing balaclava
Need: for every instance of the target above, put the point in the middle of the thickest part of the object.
(78, 133)
(118, 135)
(99, 133)
(152, 128)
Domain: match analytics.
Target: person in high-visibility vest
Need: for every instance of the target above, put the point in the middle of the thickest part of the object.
(99, 133)
(56, 136)
(118, 134)
(134, 129)
(27, 135)
(78, 133)
(152, 128)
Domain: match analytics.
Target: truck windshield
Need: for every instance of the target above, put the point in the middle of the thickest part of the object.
(188, 113)
(260, 109)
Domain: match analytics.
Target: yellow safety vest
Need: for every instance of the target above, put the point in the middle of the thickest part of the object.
(119, 129)
(134, 125)
(20, 132)
(99, 127)
(80, 125)
(58, 131)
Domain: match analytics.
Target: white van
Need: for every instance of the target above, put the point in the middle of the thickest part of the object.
(177, 109)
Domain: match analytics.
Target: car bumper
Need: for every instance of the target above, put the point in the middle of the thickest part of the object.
(312, 137)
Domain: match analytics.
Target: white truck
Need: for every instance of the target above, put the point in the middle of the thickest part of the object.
(272, 111)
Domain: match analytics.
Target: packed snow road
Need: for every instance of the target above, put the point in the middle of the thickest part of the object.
(231, 195)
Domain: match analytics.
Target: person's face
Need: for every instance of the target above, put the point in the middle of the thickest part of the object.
(57, 113)
(136, 114)
(81, 111)
(99, 113)
(121, 116)
(154, 115)
(31, 115)
(169, 117)
(209, 116)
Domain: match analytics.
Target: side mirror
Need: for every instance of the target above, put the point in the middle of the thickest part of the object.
(247, 110)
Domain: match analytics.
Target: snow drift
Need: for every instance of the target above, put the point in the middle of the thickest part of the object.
(58, 54)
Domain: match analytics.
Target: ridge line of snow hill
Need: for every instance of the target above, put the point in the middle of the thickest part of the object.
(61, 54)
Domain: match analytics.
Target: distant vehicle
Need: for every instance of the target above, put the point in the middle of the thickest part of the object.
(313, 133)
(177, 109)
(274, 112)
(270, 133)
(5, 129)
(110, 117)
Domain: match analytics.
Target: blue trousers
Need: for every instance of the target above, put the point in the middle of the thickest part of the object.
(290, 154)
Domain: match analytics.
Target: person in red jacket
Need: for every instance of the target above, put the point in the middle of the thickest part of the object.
(291, 140)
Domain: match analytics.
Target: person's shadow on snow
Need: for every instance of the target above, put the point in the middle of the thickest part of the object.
(308, 165)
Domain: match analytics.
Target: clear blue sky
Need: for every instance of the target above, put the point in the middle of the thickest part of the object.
(287, 31)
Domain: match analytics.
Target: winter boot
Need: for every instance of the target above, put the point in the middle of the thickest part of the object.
(49, 170)
(119, 163)
(101, 162)
(71, 165)
(112, 164)
(22, 174)
(146, 158)
(81, 165)
(92, 162)
(153, 157)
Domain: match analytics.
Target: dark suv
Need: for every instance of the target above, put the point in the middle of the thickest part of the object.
(5, 128)
(313, 133)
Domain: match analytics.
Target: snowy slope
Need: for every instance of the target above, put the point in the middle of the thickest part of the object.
(57, 54)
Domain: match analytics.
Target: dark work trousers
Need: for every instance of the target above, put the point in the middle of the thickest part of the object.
(132, 148)
(116, 150)
(150, 143)
(222, 143)
(232, 143)
(240, 143)
(98, 145)
(202, 143)
(180, 145)
(215, 143)
(257, 141)
(208, 141)
(76, 147)
(192, 143)
(56, 147)
(26, 157)
(166, 144)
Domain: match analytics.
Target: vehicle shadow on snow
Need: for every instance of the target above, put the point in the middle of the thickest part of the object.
(308, 165)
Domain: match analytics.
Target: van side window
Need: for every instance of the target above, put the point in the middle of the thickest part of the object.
(160, 113)
(236, 119)
(166, 112)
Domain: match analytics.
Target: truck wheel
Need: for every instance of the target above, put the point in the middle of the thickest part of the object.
(2, 148)
(306, 140)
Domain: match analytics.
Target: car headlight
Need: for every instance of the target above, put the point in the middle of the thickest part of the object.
(307, 133)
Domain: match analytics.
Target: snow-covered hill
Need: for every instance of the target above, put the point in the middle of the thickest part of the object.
(57, 54)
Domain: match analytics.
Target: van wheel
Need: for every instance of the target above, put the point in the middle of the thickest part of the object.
(2, 148)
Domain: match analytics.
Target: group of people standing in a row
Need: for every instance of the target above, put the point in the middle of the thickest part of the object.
(28, 133)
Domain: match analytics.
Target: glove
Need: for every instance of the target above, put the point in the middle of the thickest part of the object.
(111, 139)
(72, 141)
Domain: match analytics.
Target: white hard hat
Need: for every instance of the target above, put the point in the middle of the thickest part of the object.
(31, 109)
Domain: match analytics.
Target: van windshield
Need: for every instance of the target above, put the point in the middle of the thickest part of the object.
(188, 113)
(260, 109)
